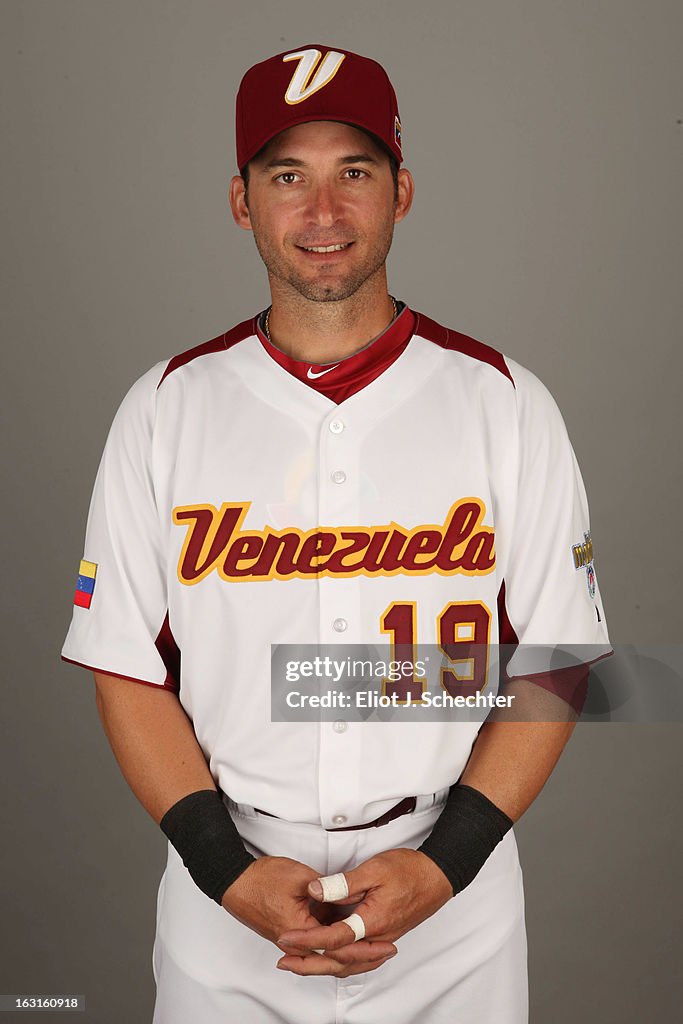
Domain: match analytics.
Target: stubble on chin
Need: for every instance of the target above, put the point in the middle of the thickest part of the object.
(321, 291)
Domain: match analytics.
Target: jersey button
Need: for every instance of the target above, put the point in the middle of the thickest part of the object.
(339, 819)
(339, 625)
(336, 426)
(339, 476)
(340, 726)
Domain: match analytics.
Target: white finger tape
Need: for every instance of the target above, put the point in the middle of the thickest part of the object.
(334, 887)
(357, 925)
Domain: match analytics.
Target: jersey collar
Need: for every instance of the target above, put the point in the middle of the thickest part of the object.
(338, 381)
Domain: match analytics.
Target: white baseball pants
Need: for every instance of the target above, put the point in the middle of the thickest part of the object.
(466, 964)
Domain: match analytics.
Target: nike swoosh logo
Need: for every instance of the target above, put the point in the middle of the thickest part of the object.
(313, 376)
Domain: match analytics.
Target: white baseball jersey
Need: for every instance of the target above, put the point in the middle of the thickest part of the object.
(237, 506)
(423, 490)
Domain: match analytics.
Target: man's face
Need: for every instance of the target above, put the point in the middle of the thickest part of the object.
(318, 185)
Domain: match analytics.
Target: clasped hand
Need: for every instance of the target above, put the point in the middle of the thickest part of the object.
(281, 899)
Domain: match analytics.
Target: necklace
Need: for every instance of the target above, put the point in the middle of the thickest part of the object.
(266, 326)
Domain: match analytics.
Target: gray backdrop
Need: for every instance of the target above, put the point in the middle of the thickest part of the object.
(545, 138)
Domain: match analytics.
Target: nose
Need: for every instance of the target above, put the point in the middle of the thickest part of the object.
(324, 204)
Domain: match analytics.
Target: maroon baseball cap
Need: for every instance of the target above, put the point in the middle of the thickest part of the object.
(315, 83)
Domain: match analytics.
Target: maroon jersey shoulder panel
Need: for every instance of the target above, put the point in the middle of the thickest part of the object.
(447, 338)
(223, 341)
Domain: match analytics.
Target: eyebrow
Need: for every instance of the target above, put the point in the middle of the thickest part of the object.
(291, 161)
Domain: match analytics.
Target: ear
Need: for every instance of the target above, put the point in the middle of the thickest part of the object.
(406, 191)
(238, 205)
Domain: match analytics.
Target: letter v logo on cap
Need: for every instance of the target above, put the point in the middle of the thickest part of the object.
(311, 75)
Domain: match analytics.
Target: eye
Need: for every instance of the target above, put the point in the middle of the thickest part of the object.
(356, 173)
(287, 177)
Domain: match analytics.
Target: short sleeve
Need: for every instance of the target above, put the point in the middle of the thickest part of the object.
(550, 598)
(120, 619)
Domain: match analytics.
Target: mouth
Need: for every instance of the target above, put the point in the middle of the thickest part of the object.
(325, 250)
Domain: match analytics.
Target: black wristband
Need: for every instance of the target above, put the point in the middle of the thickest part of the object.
(465, 834)
(200, 828)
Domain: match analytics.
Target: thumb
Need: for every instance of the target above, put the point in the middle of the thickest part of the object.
(315, 890)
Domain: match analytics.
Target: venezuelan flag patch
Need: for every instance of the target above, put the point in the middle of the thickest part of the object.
(85, 585)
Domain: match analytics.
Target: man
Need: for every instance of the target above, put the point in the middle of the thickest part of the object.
(338, 468)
